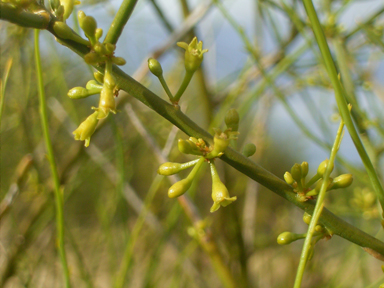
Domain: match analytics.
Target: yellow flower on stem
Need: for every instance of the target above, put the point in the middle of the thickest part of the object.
(86, 129)
(193, 54)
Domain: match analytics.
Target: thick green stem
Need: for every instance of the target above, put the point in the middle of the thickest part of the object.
(340, 99)
(51, 159)
(120, 20)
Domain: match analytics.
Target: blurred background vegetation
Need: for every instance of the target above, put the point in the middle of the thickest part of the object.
(263, 60)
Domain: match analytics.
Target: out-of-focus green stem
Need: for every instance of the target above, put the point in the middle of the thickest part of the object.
(120, 20)
(318, 208)
(341, 101)
(51, 159)
(3, 84)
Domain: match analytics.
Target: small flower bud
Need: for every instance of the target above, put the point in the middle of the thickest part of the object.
(81, 92)
(155, 67)
(232, 120)
(100, 49)
(288, 178)
(110, 47)
(119, 61)
(86, 129)
(342, 181)
(307, 218)
(249, 149)
(220, 143)
(109, 81)
(179, 188)
(170, 168)
(288, 237)
(188, 147)
(304, 169)
(296, 172)
(93, 58)
(89, 25)
(98, 76)
(98, 33)
(193, 54)
(92, 84)
(220, 195)
(322, 167)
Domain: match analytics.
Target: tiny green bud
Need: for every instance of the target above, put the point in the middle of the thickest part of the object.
(81, 92)
(170, 168)
(296, 172)
(249, 149)
(98, 76)
(288, 237)
(98, 33)
(86, 129)
(322, 167)
(99, 48)
(193, 54)
(92, 84)
(304, 169)
(110, 47)
(89, 25)
(232, 119)
(188, 147)
(155, 67)
(81, 15)
(288, 178)
(94, 58)
(307, 218)
(179, 188)
(220, 143)
(119, 61)
(109, 81)
(342, 181)
(220, 195)
(319, 228)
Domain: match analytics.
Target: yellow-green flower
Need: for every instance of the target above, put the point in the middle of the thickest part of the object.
(86, 129)
(220, 195)
(193, 54)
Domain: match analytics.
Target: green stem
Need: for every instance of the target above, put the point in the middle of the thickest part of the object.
(318, 208)
(51, 159)
(3, 84)
(120, 20)
(340, 99)
(165, 87)
(187, 78)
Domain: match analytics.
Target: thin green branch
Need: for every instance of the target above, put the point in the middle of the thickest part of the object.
(121, 18)
(3, 84)
(318, 208)
(341, 101)
(53, 167)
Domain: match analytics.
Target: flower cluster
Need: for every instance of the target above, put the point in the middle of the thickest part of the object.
(105, 85)
(206, 153)
(319, 233)
(297, 176)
